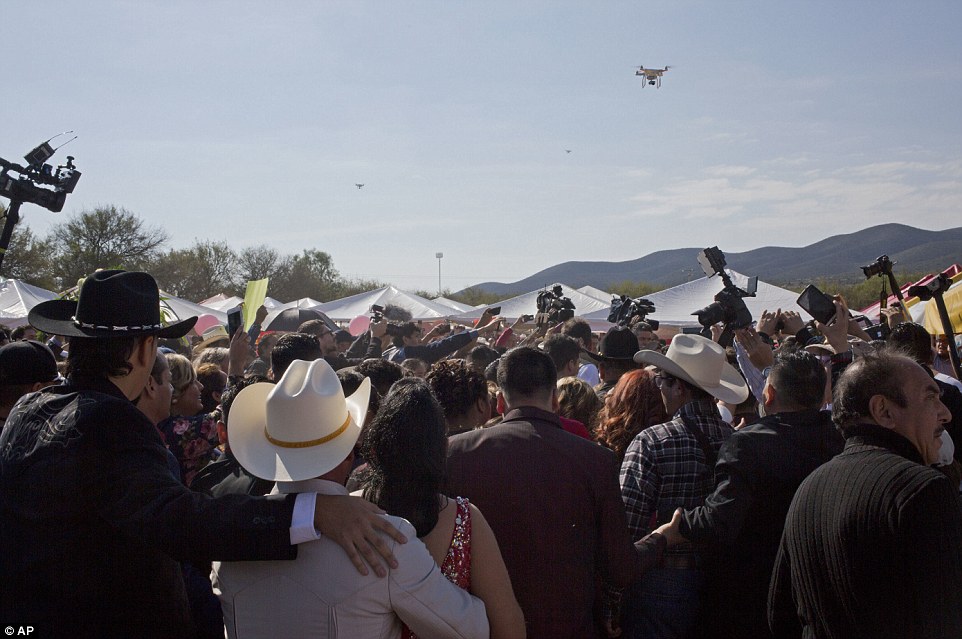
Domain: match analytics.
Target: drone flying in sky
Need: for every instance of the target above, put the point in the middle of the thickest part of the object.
(359, 185)
(651, 76)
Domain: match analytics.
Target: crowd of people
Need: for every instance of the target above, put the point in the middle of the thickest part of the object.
(477, 481)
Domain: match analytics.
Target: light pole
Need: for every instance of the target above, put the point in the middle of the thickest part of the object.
(439, 256)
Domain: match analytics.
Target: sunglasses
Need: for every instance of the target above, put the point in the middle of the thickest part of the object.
(663, 380)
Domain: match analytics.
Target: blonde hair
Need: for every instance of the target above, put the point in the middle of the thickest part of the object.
(181, 373)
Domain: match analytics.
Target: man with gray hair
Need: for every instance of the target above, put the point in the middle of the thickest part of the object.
(871, 543)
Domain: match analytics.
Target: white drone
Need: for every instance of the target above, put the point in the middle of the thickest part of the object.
(651, 76)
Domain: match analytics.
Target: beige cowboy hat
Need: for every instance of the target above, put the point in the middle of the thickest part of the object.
(300, 428)
(702, 363)
(216, 335)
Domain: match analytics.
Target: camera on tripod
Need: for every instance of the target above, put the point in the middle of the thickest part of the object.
(553, 307)
(881, 266)
(626, 311)
(729, 305)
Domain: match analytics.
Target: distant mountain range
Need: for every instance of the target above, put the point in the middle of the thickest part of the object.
(838, 257)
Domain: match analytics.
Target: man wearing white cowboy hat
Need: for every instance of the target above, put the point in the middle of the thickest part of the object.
(93, 519)
(670, 466)
(301, 433)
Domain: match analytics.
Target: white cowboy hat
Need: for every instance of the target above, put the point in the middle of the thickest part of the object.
(300, 428)
(702, 363)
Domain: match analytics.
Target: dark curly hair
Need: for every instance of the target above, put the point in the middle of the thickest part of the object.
(406, 448)
(633, 405)
(456, 387)
(382, 373)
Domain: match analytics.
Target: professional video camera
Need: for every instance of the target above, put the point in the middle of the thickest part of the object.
(729, 306)
(625, 310)
(27, 187)
(553, 307)
(377, 314)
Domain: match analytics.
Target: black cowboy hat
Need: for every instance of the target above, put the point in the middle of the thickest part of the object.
(619, 345)
(112, 303)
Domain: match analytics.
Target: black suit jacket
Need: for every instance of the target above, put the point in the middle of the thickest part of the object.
(553, 501)
(92, 520)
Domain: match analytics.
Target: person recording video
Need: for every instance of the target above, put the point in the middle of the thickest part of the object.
(407, 340)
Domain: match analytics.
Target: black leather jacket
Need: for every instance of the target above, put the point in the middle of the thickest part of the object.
(92, 520)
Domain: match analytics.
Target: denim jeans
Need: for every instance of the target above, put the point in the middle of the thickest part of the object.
(663, 604)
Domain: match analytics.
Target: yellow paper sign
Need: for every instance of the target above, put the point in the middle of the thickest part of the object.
(253, 300)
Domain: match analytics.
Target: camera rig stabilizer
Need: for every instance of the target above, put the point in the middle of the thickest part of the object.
(729, 305)
(27, 187)
(625, 311)
(935, 290)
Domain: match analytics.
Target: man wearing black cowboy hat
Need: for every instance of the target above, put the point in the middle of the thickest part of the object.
(93, 519)
(616, 358)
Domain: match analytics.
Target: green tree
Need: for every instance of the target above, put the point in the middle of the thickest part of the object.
(475, 296)
(633, 289)
(28, 257)
(310, 274)
(198, 272)
(258, 262)
(106, 237)
(346, 288)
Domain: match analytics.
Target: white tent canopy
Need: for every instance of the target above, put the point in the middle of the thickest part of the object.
(527, 304)
(224, 303)
(182, 309)
(16, 300)
(596, 293)
(674, 306)
(457, 306)
(347, 308)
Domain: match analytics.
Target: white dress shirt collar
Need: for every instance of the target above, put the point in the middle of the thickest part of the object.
(319, 486)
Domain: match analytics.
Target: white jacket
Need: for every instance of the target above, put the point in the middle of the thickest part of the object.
(320, 594)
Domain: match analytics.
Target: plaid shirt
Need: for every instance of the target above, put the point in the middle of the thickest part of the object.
(665, 468)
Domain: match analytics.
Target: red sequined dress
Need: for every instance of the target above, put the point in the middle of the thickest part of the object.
(457, 563)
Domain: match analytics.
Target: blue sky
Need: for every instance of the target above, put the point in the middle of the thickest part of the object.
(780, 123)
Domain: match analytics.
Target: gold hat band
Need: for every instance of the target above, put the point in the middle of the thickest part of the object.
(309, 443)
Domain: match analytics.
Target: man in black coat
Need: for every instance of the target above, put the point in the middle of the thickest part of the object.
(871, 546)
(758, 470)
(92, 520)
